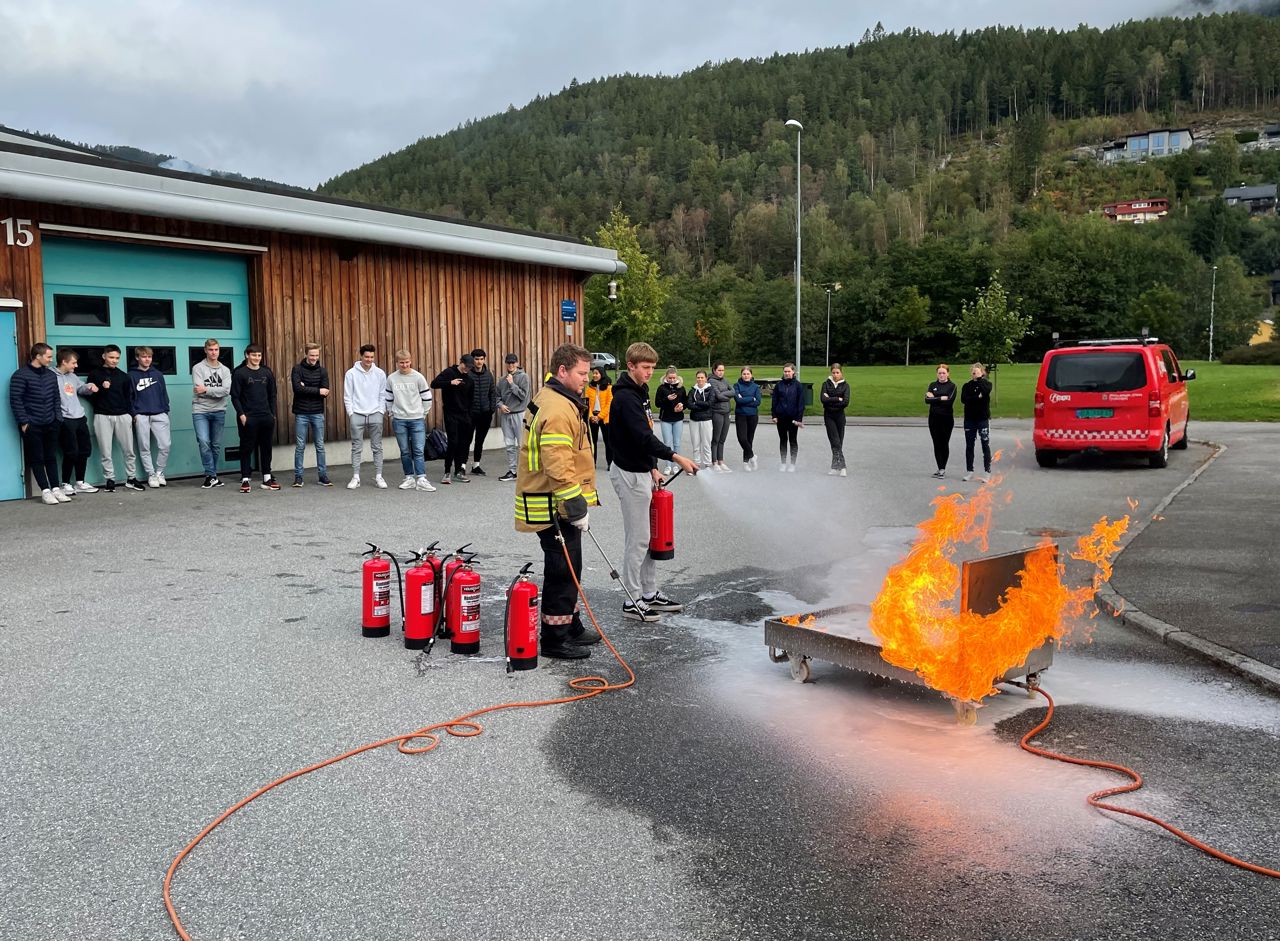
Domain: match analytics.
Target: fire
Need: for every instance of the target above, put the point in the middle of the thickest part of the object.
(796, 620)
(962, 653)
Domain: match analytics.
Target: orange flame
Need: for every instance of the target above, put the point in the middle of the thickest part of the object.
(963, 653)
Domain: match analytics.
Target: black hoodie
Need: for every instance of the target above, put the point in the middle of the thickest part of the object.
(455, 399)
(976, 396)
(635, 447)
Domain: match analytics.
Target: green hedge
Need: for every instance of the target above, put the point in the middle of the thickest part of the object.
(1260, 354)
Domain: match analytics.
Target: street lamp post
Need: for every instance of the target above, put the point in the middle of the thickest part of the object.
(1213, 296)
(831, 289)
(799, 127)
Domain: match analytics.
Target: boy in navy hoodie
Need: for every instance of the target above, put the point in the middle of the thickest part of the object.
(149, 405)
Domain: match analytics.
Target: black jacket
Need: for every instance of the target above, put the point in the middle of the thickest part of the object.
(635, 447)
(787, 400)
(666, 399)
(835, 398)
(936, 405)
(253, 391)
(484, 392)
(112, 401)
(976, 396)
(701, 403)
(455, 399)
(307, 381)
(34, 396)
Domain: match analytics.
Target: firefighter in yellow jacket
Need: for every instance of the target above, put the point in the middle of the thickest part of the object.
(556, 474)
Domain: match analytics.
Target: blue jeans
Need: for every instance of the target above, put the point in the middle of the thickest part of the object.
(411, 435)
(671, 431)
(208, 426)
(300, 425)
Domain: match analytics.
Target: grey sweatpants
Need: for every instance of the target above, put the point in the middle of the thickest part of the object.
(635, 492)
(362, 425)
(147, 426)
(512, 425)
(120, 428)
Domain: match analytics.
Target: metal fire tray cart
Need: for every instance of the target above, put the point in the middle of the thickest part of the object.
(843, 636)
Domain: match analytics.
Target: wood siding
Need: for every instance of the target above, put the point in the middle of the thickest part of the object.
(340, 295)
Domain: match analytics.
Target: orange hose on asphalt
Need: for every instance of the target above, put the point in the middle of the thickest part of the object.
(1096, 798)
(462, 727)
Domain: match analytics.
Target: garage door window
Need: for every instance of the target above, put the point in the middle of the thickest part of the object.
(81, 310)
(208, 315)
(163, 358)
(151, 313)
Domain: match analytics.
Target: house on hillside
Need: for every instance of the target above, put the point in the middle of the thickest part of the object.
(1259, 200)
(1137, 211)
(1161, 142)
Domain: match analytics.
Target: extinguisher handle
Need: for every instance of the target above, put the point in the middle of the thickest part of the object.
(679, 471)
(373, 550)
(458, 551)
(432, 548)
(527, 568)
(416, 556)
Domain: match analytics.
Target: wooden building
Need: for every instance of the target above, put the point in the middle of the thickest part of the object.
(95, 251)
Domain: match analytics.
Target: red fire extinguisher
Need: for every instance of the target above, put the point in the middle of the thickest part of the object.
(375, 618)
(662, 521)
(422, 609)
(462, 606)
(521, 622)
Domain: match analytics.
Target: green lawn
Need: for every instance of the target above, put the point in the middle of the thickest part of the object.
(1218, 393)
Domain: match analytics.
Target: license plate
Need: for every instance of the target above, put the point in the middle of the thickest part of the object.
(1095, 412)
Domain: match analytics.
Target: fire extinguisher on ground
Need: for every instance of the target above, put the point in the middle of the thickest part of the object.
(375, 617)
(662, 524)
(521, 622)
(422, 609)
(462, 606)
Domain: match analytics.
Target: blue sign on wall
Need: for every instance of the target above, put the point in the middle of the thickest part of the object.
(569, 311)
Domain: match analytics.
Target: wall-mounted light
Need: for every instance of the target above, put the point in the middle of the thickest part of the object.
(613, 290)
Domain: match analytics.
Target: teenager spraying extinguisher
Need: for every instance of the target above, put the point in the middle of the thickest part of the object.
(555, 486)
(635, 476)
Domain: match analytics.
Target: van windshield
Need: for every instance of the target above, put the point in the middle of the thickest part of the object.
(1096, 372)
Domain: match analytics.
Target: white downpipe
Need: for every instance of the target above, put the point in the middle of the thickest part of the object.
(282, 213)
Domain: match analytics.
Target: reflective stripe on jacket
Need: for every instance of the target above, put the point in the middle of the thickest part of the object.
(556, 467)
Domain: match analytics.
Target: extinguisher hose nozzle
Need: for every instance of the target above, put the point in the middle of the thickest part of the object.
(613, 572)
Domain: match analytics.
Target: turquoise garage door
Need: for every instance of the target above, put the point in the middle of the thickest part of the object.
(12, 480)
(172, 300)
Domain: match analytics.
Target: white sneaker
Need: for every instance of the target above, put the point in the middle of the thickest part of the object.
(424, 484)
(69, 490)
(968, 476)
(408, 483)
(153, 481)
(832, 472)
(59, 496)
(725, 468)
(82, 487)
(379, 482)
(791, 468)
(46, 496)
(355, 482)
(782, 468)
(746, 466)
(163, 482)
(755, 462)
(844, 472)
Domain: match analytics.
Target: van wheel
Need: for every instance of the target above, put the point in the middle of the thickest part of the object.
(1047, 458)
(1186, 437)
(1161, 458)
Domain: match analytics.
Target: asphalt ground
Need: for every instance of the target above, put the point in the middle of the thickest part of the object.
(167, 653)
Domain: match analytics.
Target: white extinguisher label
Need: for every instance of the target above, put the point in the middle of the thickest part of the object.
(470, 604)
(381, 594)
(428, 600)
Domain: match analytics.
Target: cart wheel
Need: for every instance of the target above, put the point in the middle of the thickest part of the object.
(966, 712)
(800, 669)
(778, 656)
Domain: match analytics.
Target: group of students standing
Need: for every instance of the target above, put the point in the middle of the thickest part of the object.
(133, 408)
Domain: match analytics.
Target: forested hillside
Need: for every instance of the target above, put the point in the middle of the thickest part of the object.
(928, 162)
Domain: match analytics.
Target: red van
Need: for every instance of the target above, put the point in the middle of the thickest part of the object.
(1111, 395)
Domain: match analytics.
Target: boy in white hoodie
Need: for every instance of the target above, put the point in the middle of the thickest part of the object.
(364, 393)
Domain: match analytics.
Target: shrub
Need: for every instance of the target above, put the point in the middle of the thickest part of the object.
(1260, 354)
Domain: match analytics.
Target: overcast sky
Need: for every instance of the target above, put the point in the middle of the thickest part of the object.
(300, 90)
